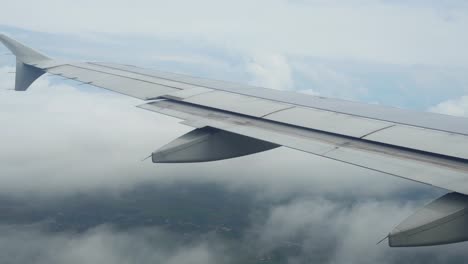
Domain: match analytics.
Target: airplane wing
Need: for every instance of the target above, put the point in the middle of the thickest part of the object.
(232, 120)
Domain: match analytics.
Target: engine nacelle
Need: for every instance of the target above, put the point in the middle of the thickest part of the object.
(443, 221)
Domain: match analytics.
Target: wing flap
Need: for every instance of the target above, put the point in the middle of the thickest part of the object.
(431, 121)
(443, 143)
(332, 122)
(237, 103)
(442, 172)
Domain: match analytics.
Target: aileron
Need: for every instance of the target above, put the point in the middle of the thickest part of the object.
(449, 144)
(328, 121)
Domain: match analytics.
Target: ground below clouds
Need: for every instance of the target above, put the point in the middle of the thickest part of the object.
(193, 222)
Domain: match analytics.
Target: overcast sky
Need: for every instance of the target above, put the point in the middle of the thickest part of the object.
(58, 138)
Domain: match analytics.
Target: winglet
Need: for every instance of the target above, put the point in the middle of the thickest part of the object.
(25, 56)
(23, 53)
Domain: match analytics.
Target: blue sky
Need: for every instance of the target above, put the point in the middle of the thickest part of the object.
(405, 54)
(411, 86)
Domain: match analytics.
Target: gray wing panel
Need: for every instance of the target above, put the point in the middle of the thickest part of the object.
(438, 171)
(353, 126)
(449, 144)
(265, 103)
(228, 97)
(424, 147)
(132, 85)
(390, 114)
(237, 103)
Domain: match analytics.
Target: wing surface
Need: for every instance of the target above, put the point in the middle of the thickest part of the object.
(423, 147)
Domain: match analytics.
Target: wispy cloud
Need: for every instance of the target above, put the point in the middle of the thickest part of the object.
(455, 107)
(382, 31)
(271, 70)
(103, 245)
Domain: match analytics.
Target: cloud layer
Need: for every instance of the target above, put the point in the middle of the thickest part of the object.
(83, 138)
(61, 140)
(103, 245)
(455, 107)
(298, 230)
(420, 34)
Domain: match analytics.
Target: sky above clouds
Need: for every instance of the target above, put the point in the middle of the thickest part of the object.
(58, 139)
(409, 32)
(389, 52)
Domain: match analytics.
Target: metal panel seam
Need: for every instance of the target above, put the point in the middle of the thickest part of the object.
(326, 133)
(123, 76)
(276, 111)
(170, 97)
(280, 101)
(378, 130)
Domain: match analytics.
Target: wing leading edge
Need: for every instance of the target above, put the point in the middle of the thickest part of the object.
(233, 120)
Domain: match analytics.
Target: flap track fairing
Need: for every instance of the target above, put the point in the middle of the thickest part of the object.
(209, 144)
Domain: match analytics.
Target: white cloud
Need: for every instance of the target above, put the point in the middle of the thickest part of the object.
(191, 59)
(334, 231)
(102, 245)
(455, 107)
(74, 138)
(271, 71)
(329, 82)
(309, 92)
